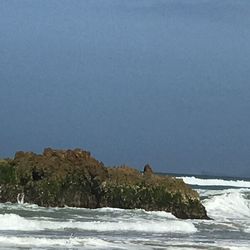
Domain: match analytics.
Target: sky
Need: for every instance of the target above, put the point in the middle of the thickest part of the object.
(164, 82)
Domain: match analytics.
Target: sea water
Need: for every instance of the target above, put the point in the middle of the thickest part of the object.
(227, 201)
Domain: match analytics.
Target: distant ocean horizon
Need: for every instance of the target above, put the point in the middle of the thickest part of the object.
(206, 176)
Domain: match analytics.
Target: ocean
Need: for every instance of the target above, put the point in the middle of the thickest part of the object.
(227, 201)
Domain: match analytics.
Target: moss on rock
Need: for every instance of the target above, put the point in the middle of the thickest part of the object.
(75, 178)
(7, 172)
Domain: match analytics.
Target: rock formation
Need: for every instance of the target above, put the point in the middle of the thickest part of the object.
(148, 170)
(74, 178)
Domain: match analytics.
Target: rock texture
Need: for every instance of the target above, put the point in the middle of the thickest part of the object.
(75, 178)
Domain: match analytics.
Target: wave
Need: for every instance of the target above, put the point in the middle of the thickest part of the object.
(16, 222)
(160, 214)
(213, 192)
(138, 212)
(8, 242)
(105, 210)
(215, 182)
(64, 243)
(230, 204)
(25, 207)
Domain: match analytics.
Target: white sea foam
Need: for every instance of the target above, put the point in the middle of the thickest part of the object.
(215, 182)
(25, 206)
(110, 209)
(160, 214)
(231, 205)
(16, 222)
(11, 242)
(212, 192)
(202, 245)
(118, 211)
(237, 247)
(127, 211)
(49, 242)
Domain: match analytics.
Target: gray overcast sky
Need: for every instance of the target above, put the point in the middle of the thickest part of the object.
(135, 81)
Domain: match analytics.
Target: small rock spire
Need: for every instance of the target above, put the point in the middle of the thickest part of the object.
(147, 170)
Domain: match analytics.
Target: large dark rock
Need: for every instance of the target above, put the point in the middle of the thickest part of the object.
(75, 178)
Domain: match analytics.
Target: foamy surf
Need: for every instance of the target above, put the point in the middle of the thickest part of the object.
(215, 182)
(16, 222)
(228, 205)
(28, 226)
(97, 243)
(62, 243)
(160, 214)
(139, 212)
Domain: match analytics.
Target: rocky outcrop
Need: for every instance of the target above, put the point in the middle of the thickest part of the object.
(148, 170)
(75, 178)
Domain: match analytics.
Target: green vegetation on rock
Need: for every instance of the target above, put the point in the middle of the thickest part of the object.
(74, 178)
(7, 172)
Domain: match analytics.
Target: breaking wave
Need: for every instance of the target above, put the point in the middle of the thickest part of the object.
(138, 212)
(16, 222)
(48, 242)
(229, 204)
(215, 182)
